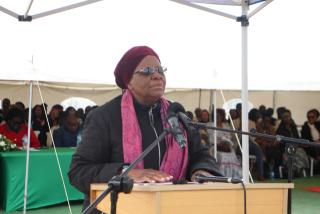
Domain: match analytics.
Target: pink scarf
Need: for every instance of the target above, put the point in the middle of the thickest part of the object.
(175, 159)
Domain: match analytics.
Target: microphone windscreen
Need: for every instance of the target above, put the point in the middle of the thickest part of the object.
(175, 107)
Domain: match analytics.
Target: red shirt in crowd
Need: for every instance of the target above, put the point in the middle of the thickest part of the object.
(17, 137)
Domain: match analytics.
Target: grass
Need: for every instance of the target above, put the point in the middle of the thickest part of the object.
(303, 202)
(306, 201)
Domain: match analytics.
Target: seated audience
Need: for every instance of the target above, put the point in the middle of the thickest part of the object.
(228, 162)
(271, 149)
(54, 116)
(1, 116)
(81, 116)
(16, 130)
(232, 115)
(204, 118)
(87, 110)
(5, 108)
(197, 113)
(311, 131)
(39, 124)
(288, 128)
(68, 135)
(20, 105)
(255, 120)
(280, 111)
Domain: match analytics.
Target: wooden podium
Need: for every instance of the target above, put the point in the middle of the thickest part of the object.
(209, 198)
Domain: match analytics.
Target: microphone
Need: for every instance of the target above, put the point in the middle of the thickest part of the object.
(173, 121)
(185, 120)
(202, 178)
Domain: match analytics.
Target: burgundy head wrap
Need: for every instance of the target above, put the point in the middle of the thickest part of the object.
(129, 62)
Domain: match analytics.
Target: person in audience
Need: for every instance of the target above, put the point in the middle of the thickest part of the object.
(233, 115)
(311, 131)
(1, 116)
(237, 120)
(69, 134)
(254, 148)
(26, 113)
(16, 130)
(39, 124)
(44, 107)
(271, 149)
(255, 120)
(288, 128)
(80, 115)
(269, 113)
(197, 113)
(280, 111)
(116, 133)
(87, 110)
(262, 110)
(190, 115)
(5, 107)
(228, 162)
(204, 118)
(69, 111)
(54, 116)
(20, 105)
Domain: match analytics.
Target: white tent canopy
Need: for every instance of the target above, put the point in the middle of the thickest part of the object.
(199, 49)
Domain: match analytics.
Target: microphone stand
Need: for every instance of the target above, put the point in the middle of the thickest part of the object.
(290, 149)
(122, 182)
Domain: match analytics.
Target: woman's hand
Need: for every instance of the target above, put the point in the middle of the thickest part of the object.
(149, 176)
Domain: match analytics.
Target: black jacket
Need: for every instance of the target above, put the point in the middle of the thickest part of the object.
(306, 134)
(100, 155)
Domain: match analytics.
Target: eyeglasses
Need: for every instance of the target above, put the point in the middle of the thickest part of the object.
(150, 70)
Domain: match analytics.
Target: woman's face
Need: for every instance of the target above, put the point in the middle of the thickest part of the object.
(204, 117)
(15, 124)
(38, 111)
(219, 117)
(312, 117)
(54, 113)
(286, 118)
(147, 89)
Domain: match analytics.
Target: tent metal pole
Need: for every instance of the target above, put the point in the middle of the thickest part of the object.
(209, 10)
(215, 122)
(9, 12)
(244, 93)
(25, 195)
(28, 9)
(274, 93)
(244, 19)
(260, 7)
(199, 101)
(62, 9)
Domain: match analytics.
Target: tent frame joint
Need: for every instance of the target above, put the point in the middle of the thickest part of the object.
(23, 18)
(244, 20)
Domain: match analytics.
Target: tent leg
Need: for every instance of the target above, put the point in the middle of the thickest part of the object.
(244, 95)
(25, 196)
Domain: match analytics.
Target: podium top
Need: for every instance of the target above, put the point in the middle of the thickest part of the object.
(196, 186)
